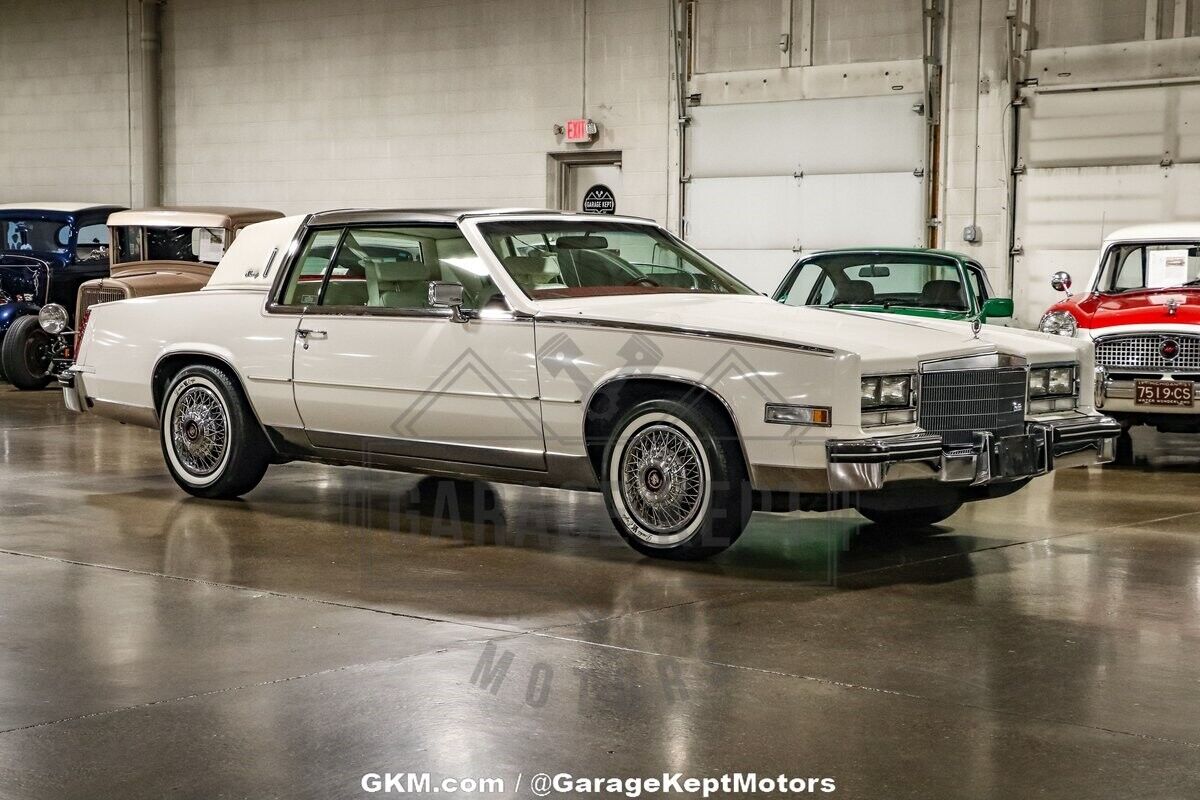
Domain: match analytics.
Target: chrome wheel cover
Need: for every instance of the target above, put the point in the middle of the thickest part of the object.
(199, 429)
(661, 480)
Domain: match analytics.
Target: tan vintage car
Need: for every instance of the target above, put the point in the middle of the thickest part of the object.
(165, 251)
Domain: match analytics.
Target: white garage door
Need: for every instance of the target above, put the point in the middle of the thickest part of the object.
(771, 180)
(1092, 165)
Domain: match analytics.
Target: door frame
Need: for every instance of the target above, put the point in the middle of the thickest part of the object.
(559, 169)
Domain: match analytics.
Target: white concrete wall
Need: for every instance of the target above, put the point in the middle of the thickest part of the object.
(975, 153)
(313, 104)
(64, 101)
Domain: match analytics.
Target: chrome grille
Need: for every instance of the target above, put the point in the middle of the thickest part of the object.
(92, 295)
(1144, 352)
(960, 403)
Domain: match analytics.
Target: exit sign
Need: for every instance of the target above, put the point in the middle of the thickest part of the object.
(579, 131)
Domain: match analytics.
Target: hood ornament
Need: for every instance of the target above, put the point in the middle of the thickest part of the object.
(1172, 306)
(976, 321)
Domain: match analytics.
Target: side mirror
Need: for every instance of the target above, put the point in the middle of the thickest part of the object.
(997, 307)
(1061, 282)
(445, 294)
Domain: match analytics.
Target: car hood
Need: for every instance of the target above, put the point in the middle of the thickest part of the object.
(22, 276)
(885, 340)
(1135, 308)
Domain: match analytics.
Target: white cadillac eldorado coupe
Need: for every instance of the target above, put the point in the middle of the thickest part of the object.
(583, 352)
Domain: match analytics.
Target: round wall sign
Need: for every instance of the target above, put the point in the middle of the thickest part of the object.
(599, 200)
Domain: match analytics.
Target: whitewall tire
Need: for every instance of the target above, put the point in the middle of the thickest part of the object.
(674, 480)
(212, 444)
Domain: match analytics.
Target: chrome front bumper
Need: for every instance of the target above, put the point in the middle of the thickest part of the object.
(863, 465)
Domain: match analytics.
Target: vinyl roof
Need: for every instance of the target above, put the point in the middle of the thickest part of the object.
(193, 216)
(353, 216)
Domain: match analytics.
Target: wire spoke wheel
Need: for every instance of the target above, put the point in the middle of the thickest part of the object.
(199, 430)
(662, 479)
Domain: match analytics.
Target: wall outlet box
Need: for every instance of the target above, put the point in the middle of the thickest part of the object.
(971, 234)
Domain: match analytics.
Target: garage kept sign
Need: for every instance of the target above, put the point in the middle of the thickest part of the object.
(599, 200)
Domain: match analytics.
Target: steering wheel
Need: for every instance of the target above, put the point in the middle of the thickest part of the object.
(644, 281)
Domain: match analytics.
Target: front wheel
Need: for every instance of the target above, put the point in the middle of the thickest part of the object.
(212, 444)
(26, 354)
(674, 481)
(909, 518)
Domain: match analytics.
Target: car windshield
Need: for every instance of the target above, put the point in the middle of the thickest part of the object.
(877, 279)
(182, 243)
(36, 235)
(1160, 265)
(552, 259)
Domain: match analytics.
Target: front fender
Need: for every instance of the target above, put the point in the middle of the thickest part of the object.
(11, 312)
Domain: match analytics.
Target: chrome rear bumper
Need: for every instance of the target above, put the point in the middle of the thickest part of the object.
(862, 465)
(74, 396)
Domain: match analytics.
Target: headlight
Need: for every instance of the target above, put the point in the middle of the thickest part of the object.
(1052, 382)
(53, 319)
(1060, 323)
(887, 391)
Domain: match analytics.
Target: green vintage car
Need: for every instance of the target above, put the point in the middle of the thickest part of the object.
(894, 280)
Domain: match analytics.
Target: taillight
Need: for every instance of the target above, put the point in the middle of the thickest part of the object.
(83, 321)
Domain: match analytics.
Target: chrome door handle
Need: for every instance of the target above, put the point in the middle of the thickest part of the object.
(309, 333)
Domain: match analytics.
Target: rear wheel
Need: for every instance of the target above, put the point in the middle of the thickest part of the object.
(212, 444)
(909, 518)
(674, 481)
(27, 354)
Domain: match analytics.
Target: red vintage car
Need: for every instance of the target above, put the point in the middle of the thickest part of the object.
(1142, 310)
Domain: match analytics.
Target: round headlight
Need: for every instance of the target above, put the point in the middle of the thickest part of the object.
(53, 319)
(1060, 323)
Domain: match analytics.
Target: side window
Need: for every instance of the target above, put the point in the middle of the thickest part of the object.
(388, 268)
(92, 243)
(380, 268)
(304, 284)
(129, 245)
(801, 289)
(979, 282)
(1130, 269)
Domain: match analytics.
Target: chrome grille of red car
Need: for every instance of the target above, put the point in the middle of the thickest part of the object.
(957, 404)
(1145, 352)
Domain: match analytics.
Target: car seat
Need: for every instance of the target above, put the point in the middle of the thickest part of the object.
(533, 272)
(944, 294)
(855, 293)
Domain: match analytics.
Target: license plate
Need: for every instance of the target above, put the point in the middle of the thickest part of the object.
(1162, 393)
(1016, 456)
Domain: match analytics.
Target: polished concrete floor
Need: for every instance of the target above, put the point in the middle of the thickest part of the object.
(339, 622)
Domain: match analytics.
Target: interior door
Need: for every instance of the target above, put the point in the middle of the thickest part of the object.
(377, 370)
